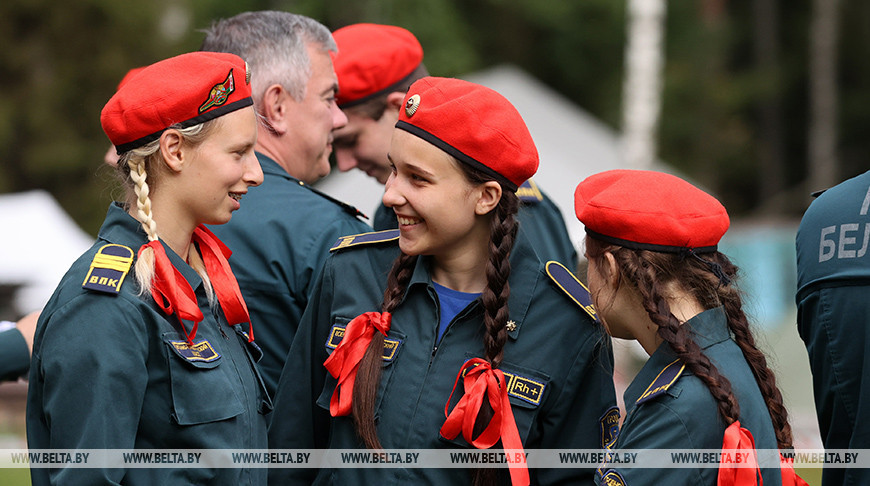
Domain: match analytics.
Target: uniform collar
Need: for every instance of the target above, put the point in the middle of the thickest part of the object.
(663, 369)
(526, 275)
(271, 167)
(122, 229)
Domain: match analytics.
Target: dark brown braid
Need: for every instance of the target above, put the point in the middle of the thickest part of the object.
(764, 376)
(649, 272)
(368, 376)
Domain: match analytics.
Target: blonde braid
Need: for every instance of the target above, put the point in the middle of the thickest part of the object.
(145, 262)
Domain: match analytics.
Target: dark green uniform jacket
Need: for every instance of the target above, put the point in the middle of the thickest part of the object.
(556, 349)
(833, 269)
(280, 238)
(14, 356)
(669, 409)
(540, 220)
(106, 374)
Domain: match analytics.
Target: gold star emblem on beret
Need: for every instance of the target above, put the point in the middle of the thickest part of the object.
(411, 105)
(511, 326)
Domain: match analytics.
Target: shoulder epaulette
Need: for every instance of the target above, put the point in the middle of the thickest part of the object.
(663, 381)
(571, 286)
(344, 206)
(110, 265)
(365, 239)
(529, 192)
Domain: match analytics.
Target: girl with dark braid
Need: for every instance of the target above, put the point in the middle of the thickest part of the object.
(656, 276)
(448, 332)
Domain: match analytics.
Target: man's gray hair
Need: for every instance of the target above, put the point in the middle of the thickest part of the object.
(273, 44)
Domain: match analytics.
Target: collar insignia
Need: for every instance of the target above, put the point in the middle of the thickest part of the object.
(663, 381)
(110, 265)
(365, 239)
(571, 286)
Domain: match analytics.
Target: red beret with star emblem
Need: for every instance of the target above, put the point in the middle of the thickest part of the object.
(181, 91)
(649, 210)
(373, 60)
(474, 124)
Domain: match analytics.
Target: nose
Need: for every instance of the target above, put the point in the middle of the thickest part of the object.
(339, 119)
(392, 193)
(253, 175)
(344, 159)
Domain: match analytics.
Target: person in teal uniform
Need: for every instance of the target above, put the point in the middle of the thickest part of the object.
(656, 276)
(453, 304)
(375, 66)
(146, 342)
(281, 236)
(16, 342)
(833, 276)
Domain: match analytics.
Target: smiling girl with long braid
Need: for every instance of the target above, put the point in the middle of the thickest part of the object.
(449, 332)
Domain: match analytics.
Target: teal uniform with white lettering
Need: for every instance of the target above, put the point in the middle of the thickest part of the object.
(14, 355)
(280, 238)
(667, 407)
(111, 371)
(833, 270)
(540, 220)
(557, 357)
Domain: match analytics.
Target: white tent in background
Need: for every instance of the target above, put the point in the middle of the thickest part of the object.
(39, 244)
(572, 145)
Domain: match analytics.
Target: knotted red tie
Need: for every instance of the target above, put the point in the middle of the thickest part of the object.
(738, 438)
(482, 381)
(174, 295)
(344, 361)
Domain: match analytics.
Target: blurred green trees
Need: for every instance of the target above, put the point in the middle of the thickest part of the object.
(729, 101)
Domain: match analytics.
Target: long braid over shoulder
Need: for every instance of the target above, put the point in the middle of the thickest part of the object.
(650, 272)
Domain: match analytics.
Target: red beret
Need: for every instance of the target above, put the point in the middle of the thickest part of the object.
(373, 60)
(130, 75)
(649, 211)
(473, 124)
(186, 90)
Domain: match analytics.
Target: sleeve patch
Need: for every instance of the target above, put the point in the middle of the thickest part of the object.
(571, 286)
(365, 239)
(666, 377)
(609, 427)
(529, 192)
(108, 269)
(612, 478)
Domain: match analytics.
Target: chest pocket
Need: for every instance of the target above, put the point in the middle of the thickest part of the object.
(527, 391)
(393, 344)
(201, 383)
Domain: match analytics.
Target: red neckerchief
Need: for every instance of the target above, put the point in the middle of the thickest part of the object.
(482, 381)
(736, 437)
(344, 361)
(173, 293)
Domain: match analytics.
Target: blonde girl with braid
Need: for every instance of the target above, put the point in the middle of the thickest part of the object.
(147, 343)
(451, 319)
(656, 276)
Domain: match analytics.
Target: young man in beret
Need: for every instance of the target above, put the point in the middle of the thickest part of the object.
(282, 235)
(375, 65)
(833, 270)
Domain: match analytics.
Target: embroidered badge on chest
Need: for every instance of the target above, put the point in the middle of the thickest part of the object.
(108, 268)
(201, 351)
(525, 389)
(391, 346)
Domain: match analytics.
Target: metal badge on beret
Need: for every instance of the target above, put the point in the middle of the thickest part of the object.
(411, 105)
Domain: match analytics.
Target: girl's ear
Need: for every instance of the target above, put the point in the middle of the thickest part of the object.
(490, 195)
(172, 149)
(610, 271)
